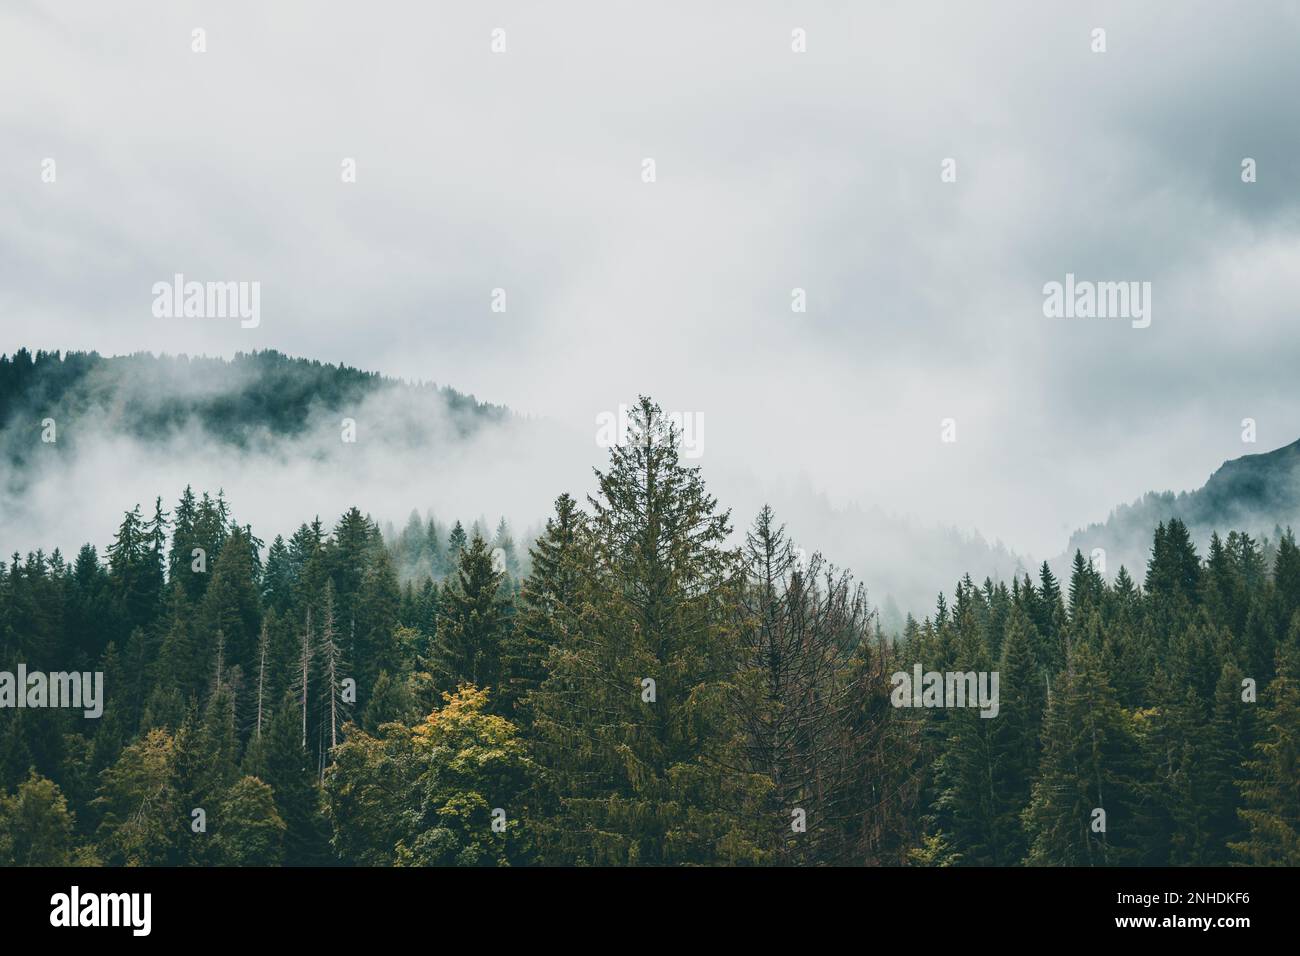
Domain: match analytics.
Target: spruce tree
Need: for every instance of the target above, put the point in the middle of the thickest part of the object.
(474, 619)
(548, 598)
(1269, 785)
(1228, 744)
(1016, 745)
(1090, 763)
(634, 717)
(281, 761)
(456, 541)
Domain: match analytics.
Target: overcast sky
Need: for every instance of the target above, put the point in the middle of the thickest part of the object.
(819, 170)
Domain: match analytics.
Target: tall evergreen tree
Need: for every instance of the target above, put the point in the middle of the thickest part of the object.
(474, 621)
(281, 761)
(1090, 763)
(548, 598)
(634, 716)
(1269, 787)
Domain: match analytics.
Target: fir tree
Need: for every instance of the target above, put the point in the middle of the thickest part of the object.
(634, 715)
(474, 620)
(281, 761)
(1269, 787)
(548, 598)
(456, 541)
(1090, 763)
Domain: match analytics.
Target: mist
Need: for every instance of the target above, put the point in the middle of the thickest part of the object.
(776, 171)
(409, 451)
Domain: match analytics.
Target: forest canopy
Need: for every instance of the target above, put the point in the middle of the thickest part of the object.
(638, 685)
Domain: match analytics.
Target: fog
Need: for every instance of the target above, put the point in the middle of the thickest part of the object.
(410, 452)
(775, 171)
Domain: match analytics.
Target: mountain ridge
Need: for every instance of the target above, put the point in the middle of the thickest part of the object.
(1258, 494)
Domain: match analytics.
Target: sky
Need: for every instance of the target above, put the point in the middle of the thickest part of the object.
(774, 170)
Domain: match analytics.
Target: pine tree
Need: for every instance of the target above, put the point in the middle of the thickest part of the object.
(1286, 579)
(504, 542)
(348, 554)
(390, 701)
(302, 681)
(278, 578)
(1050, 621)
(263, 651)
(155, 558)
(1269, 787)
(231, 605)
(373, 619)
(1090, 762)
(433, 547)
(548, 598)
(331, 669)
(1086, 587)
(1174, 569)
(1227, 745)
(180, 558)
(1015, 740)
(474, 620)
(456, 541)
(136, 580)
(410, 549)
(282, 761)
(634, 716)
(179, 664)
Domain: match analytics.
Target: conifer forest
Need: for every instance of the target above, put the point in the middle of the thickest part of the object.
(539, 466)
(652, 680)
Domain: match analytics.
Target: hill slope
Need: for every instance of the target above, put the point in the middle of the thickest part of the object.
(1258, 494)
(84, 437)
(252, 397)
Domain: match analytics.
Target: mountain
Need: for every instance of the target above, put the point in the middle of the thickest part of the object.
(1257, 494)
(84, 437)
(267, 427)
(239, 402)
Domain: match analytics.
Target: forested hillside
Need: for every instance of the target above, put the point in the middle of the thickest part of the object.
(635, 690)
(79, 429)
(253, 397)
(1257, 494)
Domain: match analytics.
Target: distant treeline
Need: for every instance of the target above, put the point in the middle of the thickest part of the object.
(149, 396)
(633, 689)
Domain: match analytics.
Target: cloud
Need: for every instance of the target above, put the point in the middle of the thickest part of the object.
(410, 450)
(775, 170)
